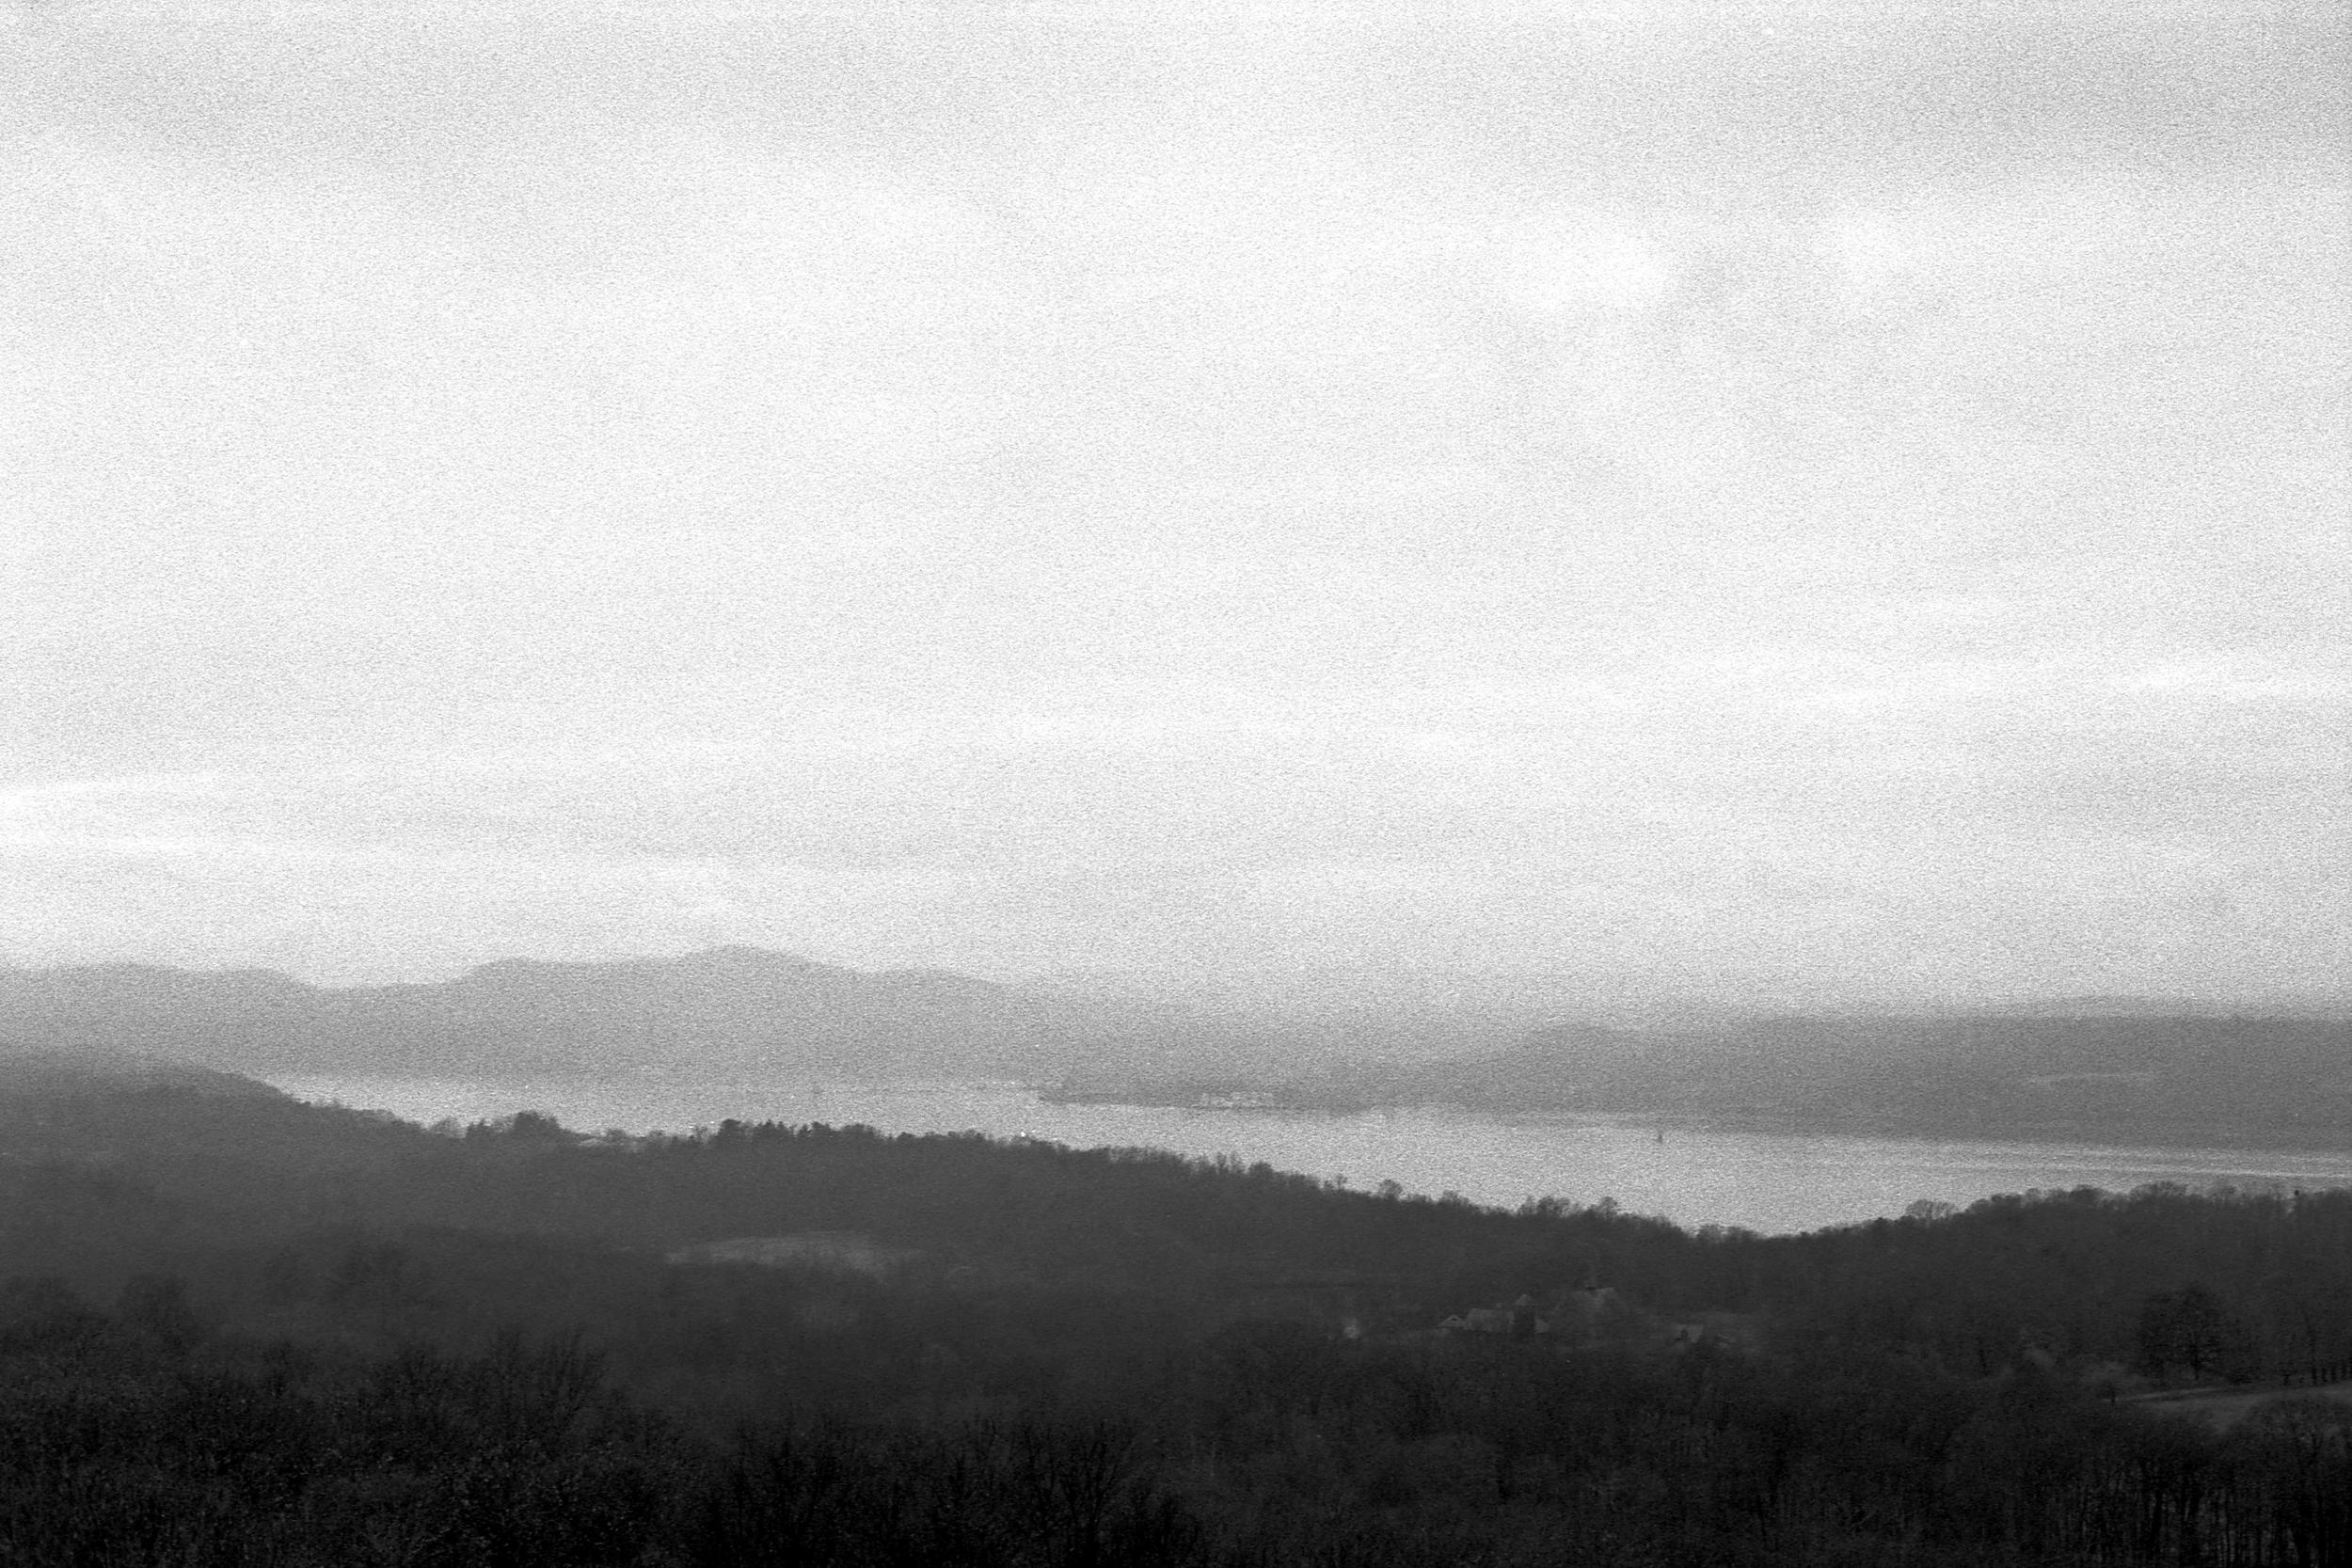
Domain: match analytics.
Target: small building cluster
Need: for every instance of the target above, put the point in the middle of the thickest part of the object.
(1518, 1320)
(1574, 1316)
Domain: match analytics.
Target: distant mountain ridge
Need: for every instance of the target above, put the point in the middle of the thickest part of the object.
(2235, 1076)
(2279, 1081)
(725, 1008)
(2100, 1066)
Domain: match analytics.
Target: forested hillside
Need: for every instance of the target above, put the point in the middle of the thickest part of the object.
(2283, 1082)
(239, 1329)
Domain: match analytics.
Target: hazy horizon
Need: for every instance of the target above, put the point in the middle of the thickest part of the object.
(1500, 995)
(1759, 499)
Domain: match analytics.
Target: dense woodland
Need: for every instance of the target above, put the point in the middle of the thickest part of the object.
(235, 1329)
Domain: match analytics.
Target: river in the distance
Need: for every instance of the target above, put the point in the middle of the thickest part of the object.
(1765, 1181)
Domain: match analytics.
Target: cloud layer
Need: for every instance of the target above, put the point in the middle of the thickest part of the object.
(1843, 496)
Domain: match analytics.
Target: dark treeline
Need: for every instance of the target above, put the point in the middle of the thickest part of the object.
(236, 1329)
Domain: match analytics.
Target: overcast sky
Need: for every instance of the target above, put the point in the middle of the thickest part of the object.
(1847, 497)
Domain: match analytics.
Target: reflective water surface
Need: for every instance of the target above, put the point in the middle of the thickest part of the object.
(1764, 1182)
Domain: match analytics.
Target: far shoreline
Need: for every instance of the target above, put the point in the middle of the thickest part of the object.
(2151, 1138)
